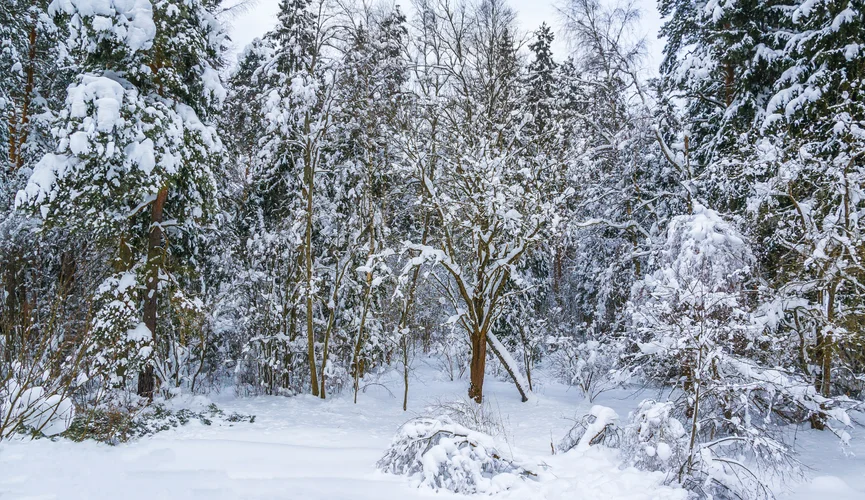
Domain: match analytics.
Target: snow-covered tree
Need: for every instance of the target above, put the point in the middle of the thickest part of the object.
(700, 332)
(812, 201)
(371, 90)
(626, 190)
(541, 83)
(136, 152)
(718, 62)
(491, 207)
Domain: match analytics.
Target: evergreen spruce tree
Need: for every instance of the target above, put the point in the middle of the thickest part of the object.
(718, 59)
(811, 203)
(541, 80)
(134, 163)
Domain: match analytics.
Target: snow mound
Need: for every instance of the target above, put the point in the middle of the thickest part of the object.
(34, 408)
(440, 454)
(832, 485)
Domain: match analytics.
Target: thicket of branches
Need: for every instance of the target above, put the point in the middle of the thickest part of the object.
(363, 186)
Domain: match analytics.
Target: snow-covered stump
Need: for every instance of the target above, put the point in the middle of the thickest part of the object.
(440, 454)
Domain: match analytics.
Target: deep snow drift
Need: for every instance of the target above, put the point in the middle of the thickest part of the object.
(306, 448)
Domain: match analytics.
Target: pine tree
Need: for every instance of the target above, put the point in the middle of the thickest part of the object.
(136, 151)
(811, 205)
(541, 81)
(717, 59)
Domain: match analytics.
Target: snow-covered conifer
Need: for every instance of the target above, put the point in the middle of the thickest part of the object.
(136, 149)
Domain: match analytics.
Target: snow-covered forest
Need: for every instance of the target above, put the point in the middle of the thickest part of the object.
(413, 247)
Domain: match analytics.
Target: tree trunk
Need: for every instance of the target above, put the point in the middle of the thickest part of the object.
(527, 356)
(15, 322)
(405, 346)
(406, 316)
(321, 392)
(695, 414)
(826, 366)
(146, 379)
(357, 364)
(507, 361)
(819, 353)
(18, 126)
(557, 273)
(478, 366)
(307, 241)
(729, 83)
(828, 347)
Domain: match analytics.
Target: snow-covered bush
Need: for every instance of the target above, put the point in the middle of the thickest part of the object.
(270, 365)
(33, 409)
(438, 453)
(654, 439)
(40, 370)
(597, 428)
(121, 341)
(697, 303)
(480, 417)
(116, 423)
(727, 467)
(698, 328)
(587, 365)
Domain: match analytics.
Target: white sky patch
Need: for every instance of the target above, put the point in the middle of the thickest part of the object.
(262, 16)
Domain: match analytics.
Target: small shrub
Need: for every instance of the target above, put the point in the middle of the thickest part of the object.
(440, 454)
(33, 410)
(117, 424)
(726, 467)
(466, 412)
(654, 439)
(587, 365)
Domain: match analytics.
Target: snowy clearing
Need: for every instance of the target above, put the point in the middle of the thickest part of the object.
(303, 447)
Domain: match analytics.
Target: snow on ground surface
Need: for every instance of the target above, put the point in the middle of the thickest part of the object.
(306, 448)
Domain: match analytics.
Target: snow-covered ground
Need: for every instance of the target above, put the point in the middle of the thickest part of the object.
(306, 448)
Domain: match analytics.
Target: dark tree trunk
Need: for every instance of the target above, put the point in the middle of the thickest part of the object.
(828, 347)
(478, 366)
(146, 378)
(18, 125)
(309, 178)
(729, 83)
